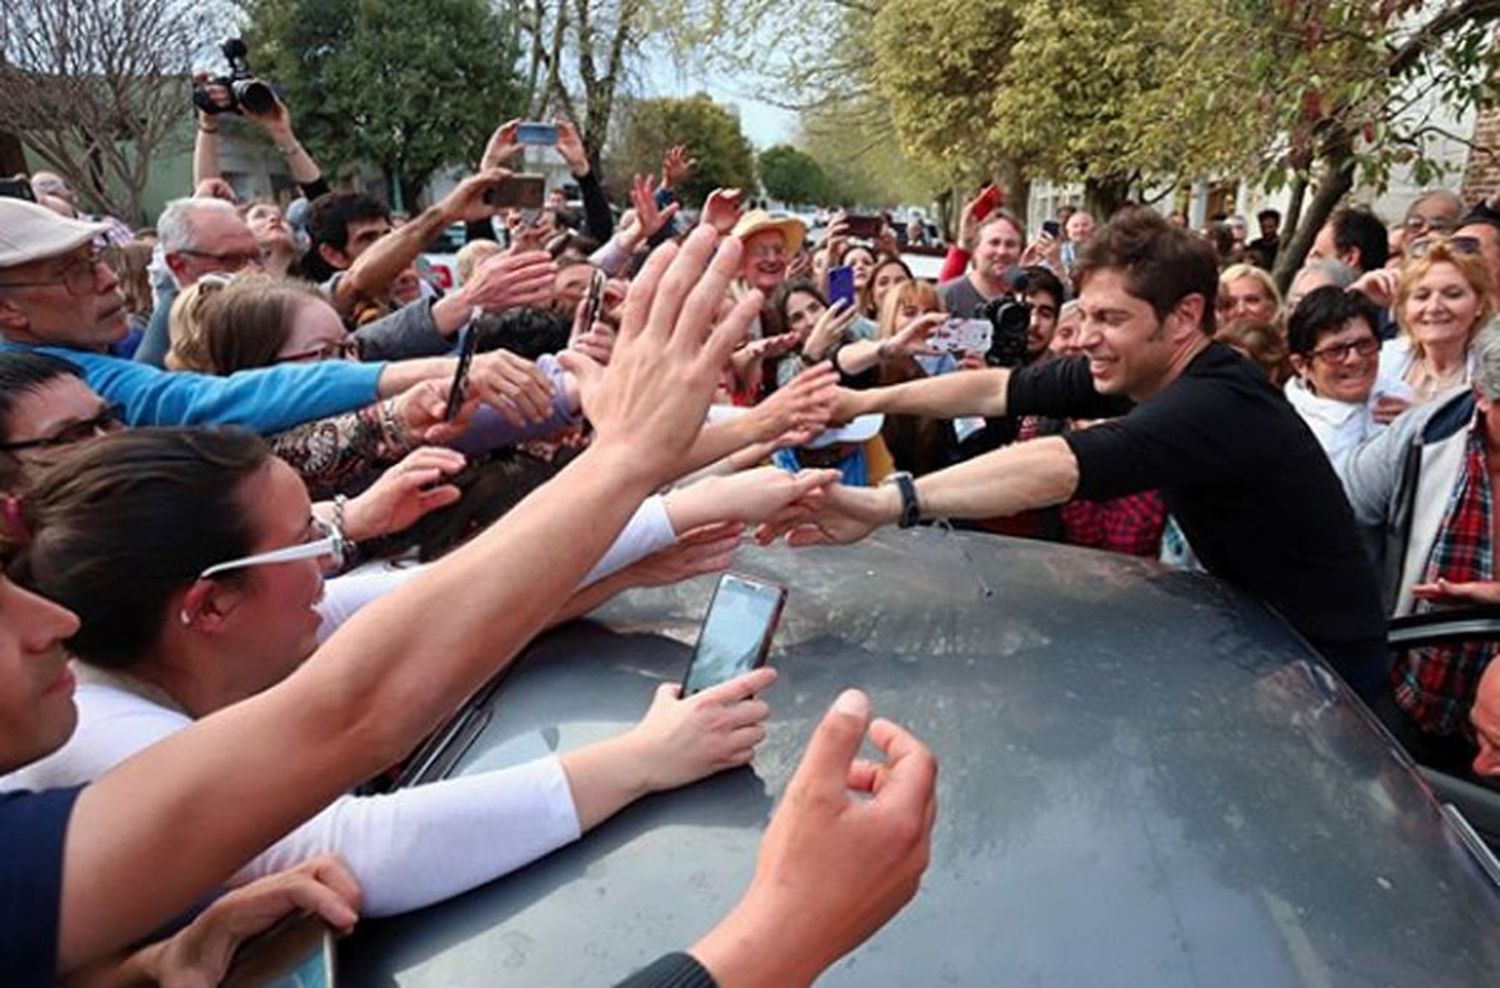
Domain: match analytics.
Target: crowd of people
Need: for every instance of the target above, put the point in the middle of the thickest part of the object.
(237, 474)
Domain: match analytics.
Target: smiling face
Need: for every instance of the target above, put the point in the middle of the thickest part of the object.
(73, 300)
(36, 689)
(998, 249)
(765, 260)
(1342, 364)
(802, 312)
(1442, 308)
(1131, 352)
(1246, 299)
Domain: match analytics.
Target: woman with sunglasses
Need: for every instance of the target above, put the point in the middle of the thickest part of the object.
(203, 586)
(1441, 300)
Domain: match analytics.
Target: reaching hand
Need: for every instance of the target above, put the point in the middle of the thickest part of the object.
(829, 330)
(668, 355)
(761, 495)
(804, 403)
(649, 217)
(845, 851)
(1379, 286)
(721, 210)
(200, 954)
(466, 203)
(682, 740)
(404, 494)
(420, 410)
(513, 386)
(276, 122)
(676, 166)
(1451, 594)
(708, 549)
(510, 280)
(843, 515)
(570, 146)
(502, 146)
(911, 339)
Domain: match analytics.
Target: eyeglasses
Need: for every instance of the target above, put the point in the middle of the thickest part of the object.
(79, 276)
(230, 262)
(1421, 224)
(332, 546)
(108, 420)
(343, 350)
(1365, 346)
(1465, 244)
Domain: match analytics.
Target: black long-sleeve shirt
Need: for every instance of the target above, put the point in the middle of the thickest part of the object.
(671, 971)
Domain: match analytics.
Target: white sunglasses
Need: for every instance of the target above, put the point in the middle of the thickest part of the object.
(332, 546)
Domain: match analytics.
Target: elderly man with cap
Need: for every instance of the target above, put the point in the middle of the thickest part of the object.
(56, 294)
(770, 244)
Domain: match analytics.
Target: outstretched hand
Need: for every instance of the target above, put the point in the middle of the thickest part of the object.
(840, 516)
(1453, 594)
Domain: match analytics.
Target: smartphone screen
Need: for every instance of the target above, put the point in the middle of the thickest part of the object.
(841, 285)
(736, 633)
(461, 372)
(298, 952)
(1051, 228)
(537, 133)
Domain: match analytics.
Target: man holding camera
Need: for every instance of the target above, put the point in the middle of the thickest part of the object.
(1242, 474)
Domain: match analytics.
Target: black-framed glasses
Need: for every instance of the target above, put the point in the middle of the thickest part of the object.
(109, 419)
(232, 261)
(1337, 353)
(1463, 244)
(342, 350)
(79, 276)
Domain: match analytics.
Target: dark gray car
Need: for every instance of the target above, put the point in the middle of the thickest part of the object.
(1145, 780)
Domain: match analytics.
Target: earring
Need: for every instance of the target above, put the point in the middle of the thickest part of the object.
(185, 617)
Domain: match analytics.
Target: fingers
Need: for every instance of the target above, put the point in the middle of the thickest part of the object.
(740, 687)
(713, 533)
(824, 770)
(689, 297)
(331, 870)
(805, 536)
(636, 313)
(912, 777)
(807, 481)
(732, 329)
(866, 776)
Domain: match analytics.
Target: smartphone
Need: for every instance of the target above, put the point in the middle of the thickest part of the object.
(736, 633)
(990, 198)
(1052, 229)
(537, 133)
(518, 192)
(297, 952)
(841, 285)
(593, 302)
(865, 227)
(966, 335)
(460, 383)
(17, 188)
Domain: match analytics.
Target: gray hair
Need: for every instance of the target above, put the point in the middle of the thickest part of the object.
(1486, 352)
(175, 229)
(1339, 274)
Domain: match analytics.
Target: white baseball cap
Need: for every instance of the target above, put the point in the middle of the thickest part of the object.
(29, 232)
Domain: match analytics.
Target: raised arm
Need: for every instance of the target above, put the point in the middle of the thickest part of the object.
(241, 778)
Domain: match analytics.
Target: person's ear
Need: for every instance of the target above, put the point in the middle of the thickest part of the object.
(176, 264)
(12, 318)
(1302, 365)
(1186, 317)
(208, 604)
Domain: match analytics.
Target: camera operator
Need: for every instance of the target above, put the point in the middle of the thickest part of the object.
(997, 249)
(1243, 476)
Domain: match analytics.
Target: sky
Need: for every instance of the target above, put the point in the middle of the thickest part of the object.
(762, 123)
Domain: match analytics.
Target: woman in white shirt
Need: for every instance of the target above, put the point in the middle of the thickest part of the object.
(196, 565)
(1335, 353)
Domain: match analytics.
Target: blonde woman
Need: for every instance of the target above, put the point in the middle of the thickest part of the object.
(1247, 294)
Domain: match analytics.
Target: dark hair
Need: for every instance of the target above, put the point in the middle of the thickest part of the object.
(1162, 264)
(527, 333)
(122, 523)
(329, 216)
(1361, 229)
(1274, 214)
(773, 315)
(1040, 279)
(23, 372)
(571, 240)
(1327, 310)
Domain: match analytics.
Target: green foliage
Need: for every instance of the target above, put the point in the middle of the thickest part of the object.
(792, 176)
(409, 85)
(710, 131)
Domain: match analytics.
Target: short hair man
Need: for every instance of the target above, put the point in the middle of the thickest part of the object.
(197, 236)
(770, 244)
(1484, 229)
(1355, 236)
(1045, 294)
(1317, 274)
(1263, 249)
(342, 226)
(1078, 232)
(997, 249)
(1435, 211)
(1244, 478)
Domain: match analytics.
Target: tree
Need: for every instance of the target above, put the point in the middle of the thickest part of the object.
(711, 132)
(792, 176)
(409, 85)
(98, 89)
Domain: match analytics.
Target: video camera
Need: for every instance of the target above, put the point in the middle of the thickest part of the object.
(1010, 316)
(245, 91)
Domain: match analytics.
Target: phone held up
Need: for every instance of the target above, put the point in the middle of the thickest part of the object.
(963, 336)
(841, 285)
(518, 192)
(1052, 229)
(537, 133)
(736, 633)
(460, 386)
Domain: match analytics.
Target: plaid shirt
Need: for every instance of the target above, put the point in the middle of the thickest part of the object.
(1131, 524)
(1436, 684)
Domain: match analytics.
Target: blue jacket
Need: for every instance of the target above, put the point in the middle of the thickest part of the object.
(266, 400)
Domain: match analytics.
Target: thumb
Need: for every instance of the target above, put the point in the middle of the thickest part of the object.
(824, 770)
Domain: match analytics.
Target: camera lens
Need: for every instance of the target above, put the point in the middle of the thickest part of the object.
(255, 96)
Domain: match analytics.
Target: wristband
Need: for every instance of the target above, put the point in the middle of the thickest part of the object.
(339, 503)
(392, 427)
(911, 511)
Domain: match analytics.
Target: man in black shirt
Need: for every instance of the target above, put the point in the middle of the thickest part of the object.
(1242, 474)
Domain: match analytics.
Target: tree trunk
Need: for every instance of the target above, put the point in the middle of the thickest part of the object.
(1103, 197)
(1335, 181)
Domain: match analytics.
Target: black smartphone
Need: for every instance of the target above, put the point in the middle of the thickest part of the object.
(461, 372)
(17, 188)
(594, 301)
(1052, 229)
(518, 192)
(864, 227)
(297, 952)
(736, 633)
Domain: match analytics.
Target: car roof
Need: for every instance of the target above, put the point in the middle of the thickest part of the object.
(1145, 779)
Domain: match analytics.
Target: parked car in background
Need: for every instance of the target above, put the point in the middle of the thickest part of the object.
(1146, 779)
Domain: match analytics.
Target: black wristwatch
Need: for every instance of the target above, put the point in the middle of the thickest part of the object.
(911, 512)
